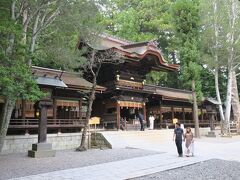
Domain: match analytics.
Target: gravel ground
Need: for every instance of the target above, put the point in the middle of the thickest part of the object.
(18, 165)
(214, 169)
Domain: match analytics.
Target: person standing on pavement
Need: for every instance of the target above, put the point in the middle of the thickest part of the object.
(188, 138)
(141, 120)
(178, 137)
(151, 122)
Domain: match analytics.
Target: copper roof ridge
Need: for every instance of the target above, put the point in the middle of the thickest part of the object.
(148, 43)
(135, 43)
(55, 70)
(115, 38)
(47, 69)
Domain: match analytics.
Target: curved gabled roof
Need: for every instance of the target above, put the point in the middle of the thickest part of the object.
(132, 50)
(59, 78)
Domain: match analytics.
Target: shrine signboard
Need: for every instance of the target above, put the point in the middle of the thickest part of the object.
(94, 120)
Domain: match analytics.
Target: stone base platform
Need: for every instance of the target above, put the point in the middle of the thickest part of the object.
(41, 150)
(211, 134)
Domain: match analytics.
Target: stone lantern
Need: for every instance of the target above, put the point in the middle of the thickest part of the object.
(212, 111)
(42, 148)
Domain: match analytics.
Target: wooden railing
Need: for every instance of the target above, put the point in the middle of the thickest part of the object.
(54, 123)
(149, 88)
(188, 123)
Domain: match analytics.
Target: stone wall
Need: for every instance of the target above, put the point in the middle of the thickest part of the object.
(99, 141)
(24, 143)
(204, 131)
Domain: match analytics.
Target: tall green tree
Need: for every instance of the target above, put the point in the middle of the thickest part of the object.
(233, 60)
(57, 48)
(141, 20)
(186, 20)
(16, 79)
(78, 20)
(213, 42)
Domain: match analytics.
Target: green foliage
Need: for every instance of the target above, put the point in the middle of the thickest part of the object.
(186, 20)
(17, 82)
(16, 78)
(144, 20)
(213, 35)
(162, 78)
(57, 48)
(141, 20)
(155, 77)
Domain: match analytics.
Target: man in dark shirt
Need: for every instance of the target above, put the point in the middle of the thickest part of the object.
(141, 120)
(177, 136)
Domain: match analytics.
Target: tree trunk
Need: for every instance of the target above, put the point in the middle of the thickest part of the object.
(195, 110)
(218, 95)
(228, 104)
(5, 119)
(25, 22)
(231, 51)
(34, 36)
(83, 144)
(235, 101)
(216, 54)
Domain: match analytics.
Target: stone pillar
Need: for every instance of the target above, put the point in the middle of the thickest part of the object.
(42, 148)
(211, 116)
(212, 120)
(42, 123)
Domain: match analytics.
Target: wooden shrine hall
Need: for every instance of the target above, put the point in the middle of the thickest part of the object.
(127, 92)
(67, 91)
(122, 92)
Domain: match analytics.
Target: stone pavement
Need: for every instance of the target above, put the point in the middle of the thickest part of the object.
(206, 148)
(120, 169)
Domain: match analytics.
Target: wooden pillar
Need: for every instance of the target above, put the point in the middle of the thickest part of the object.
(172, 112)
(24, 114)
(183, 115)
(160, 114)
(54, 109)
(69, 111)
(193, 116)
(23, 109)
(118, 115)
(201, 114)
(80, 108)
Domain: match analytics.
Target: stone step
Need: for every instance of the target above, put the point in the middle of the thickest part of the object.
(41, 154)
(41, 146)
(123, 139)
